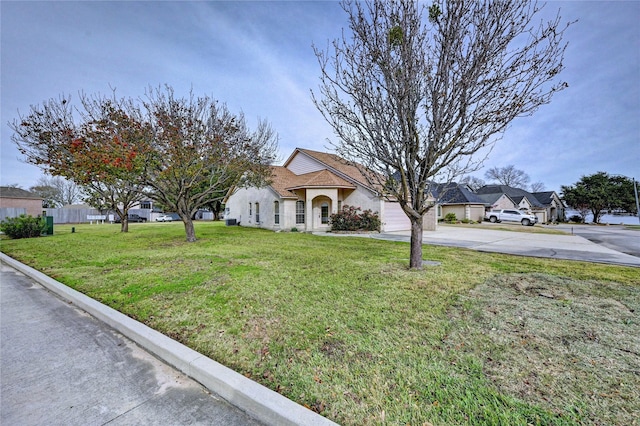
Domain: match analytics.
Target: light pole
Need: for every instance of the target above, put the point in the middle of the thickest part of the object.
(635, 192)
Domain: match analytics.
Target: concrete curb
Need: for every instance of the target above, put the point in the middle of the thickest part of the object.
(262, 403)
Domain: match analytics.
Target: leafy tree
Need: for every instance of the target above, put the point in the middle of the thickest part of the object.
(95, 145)
(414, 91)
(600, 192)
(198, 150)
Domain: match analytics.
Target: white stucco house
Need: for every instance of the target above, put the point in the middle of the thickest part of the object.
(307, 189)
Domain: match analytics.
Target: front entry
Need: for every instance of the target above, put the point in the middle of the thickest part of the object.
(321, 213)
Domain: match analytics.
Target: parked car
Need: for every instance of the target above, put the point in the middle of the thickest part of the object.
(164, 218)
(132, 218)
(524, 218)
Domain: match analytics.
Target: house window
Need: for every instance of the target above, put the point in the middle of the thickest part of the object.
(324, 213)
(299, 211)
(276, 212)
(145, 205)
(250, 211)
(339, 206)
(257, 213)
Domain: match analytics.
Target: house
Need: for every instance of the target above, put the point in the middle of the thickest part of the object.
(307, 189)
(547, 206)
(17, 201)
(556, 208)
(460, 200)
(497, 201)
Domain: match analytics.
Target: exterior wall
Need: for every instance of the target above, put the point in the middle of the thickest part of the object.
(302, 164)
(473, 212)
(237, 207)
(456, 209)
(503, 203)
(524, 205)
(33, 206)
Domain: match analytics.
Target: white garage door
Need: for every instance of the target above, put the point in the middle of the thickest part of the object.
(394, 218)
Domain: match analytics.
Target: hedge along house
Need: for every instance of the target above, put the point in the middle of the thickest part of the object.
(307, 189)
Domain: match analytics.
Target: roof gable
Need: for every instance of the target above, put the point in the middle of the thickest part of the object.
(284, 181)
(453, 193)
(347, 170)
(516, 194)
(13, 192)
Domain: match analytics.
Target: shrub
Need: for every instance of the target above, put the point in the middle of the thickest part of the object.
(450, 218)
(23, 226)
(575, 218)
(354, 219)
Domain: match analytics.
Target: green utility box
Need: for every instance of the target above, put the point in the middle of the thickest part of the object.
(48, 230)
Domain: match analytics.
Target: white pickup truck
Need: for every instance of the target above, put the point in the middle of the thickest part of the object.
(511, 216)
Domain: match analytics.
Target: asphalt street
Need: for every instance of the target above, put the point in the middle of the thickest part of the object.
(60, 365)
(614, 237)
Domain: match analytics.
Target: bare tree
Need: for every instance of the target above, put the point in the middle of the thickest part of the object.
(509, 176)
(537, 187)
(473, 182)
(413, 92)
(57, 191)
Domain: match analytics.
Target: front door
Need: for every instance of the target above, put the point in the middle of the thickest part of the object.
(321, 212)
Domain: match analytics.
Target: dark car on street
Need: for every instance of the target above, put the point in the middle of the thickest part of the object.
(132, 218)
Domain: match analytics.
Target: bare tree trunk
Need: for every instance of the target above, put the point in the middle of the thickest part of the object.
(124, 227)
(189, 229)
(415, 260)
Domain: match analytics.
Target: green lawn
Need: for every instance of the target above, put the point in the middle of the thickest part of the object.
(341, 325)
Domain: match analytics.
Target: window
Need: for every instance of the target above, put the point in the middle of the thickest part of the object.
(250, 211)
(299, 211)
(257, 213)
(276, 212)
(145, 205)
(324, 213)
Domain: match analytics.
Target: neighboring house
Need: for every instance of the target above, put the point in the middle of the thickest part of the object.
(307, 189)
(16, 201)
(555, 206)
(547, 206)
(497, 201)
(460, 200)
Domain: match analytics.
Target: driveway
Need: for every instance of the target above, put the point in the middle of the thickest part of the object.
(570, 247)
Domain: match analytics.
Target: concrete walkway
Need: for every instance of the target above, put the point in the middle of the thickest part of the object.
(67, 359)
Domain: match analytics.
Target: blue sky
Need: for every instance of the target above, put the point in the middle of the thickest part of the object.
(257, 57)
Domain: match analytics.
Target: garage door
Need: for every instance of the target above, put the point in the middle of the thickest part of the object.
(394, 218)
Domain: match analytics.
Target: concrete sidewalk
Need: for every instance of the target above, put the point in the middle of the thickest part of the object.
(569, 247)
(62, 366)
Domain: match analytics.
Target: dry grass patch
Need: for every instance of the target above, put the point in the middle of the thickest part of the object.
(571, 346)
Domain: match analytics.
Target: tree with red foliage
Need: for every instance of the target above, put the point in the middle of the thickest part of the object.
(96, 145)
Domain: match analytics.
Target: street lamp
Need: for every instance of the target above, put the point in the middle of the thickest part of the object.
(635, 192)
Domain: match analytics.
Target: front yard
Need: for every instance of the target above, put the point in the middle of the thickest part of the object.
(341, 326)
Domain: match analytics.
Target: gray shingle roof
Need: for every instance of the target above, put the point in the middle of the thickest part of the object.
(516, 194)
(11, 192)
